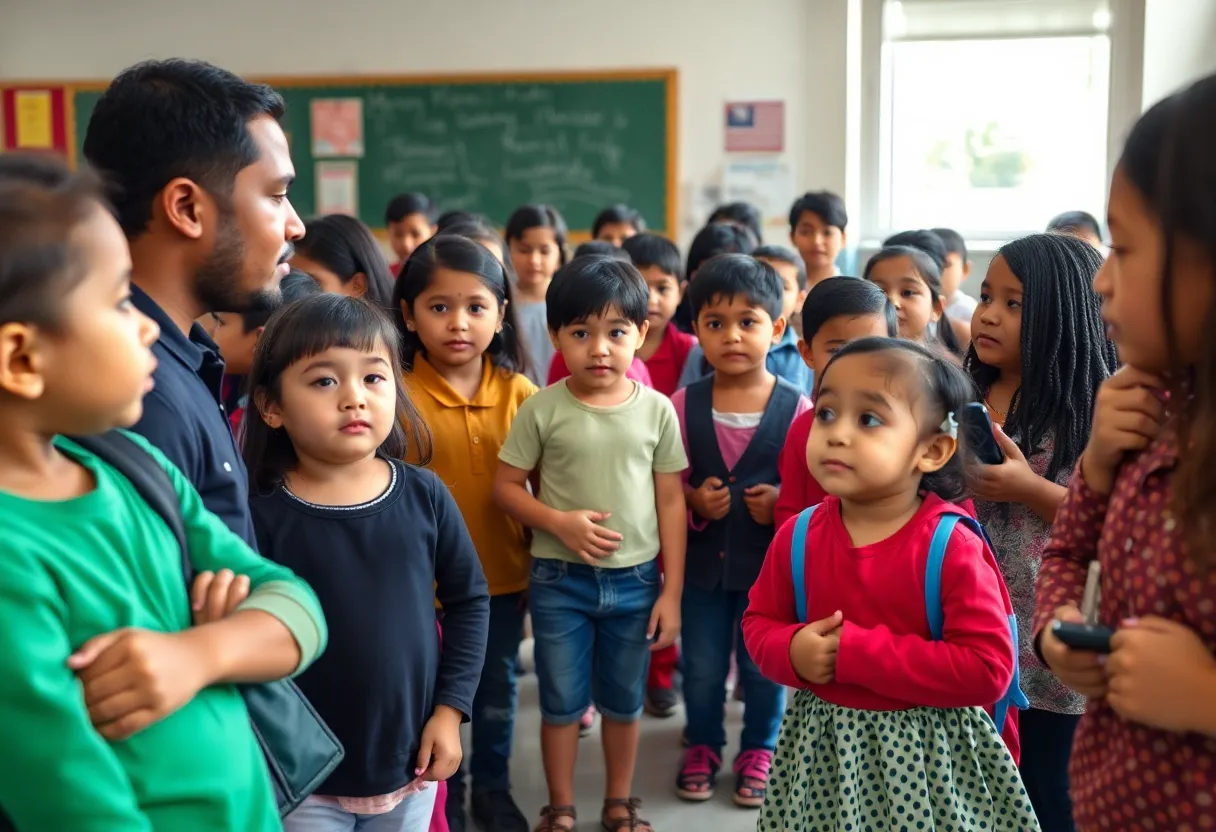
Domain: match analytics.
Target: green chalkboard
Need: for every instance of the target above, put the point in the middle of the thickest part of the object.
(489, 145)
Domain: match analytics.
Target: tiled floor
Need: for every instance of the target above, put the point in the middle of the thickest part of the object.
(658, 756)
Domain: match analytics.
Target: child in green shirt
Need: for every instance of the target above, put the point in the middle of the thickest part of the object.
(118, 713)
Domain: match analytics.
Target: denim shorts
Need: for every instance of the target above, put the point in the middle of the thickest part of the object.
(590, 630)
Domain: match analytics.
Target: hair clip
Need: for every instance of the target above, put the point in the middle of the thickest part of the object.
(950, 426)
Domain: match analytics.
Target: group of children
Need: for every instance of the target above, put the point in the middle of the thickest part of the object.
(671, 483)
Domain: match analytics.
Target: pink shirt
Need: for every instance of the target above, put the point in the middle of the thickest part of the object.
(887, 658)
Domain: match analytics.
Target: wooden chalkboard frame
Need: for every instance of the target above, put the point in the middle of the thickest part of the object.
(670, 77)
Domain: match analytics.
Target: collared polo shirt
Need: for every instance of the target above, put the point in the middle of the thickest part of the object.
(184, 417)
(468, 434)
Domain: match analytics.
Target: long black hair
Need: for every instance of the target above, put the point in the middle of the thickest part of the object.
(346, 247)
(924, 264)
(942, 382)
(304, 328)
(1064, 350)
(459, 254)
(1168, 158)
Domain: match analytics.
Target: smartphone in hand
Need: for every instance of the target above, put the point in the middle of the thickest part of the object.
(978, 438)
(1092, 637)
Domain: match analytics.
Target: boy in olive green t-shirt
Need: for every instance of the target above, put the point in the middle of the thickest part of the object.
(609, 456)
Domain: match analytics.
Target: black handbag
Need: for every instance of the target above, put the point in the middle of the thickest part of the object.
(300, 749)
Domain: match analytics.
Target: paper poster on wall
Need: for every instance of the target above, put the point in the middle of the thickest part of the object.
(755, 126)
(767, 183)
(33, 120)
(337, 127)
(338, 188)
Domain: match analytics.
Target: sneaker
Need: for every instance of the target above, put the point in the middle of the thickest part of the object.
(586, 722)
(698, 773)
(496, 811)
(661, 702)
(751, 777)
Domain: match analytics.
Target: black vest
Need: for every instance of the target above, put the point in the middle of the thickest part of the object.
(731, 550)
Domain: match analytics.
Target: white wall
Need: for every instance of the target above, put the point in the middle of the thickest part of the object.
(724, 49)
(1179, 45)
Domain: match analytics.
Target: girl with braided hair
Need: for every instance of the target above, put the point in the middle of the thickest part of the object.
(1039, 355)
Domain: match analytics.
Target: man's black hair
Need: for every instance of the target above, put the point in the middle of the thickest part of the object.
(161, 120)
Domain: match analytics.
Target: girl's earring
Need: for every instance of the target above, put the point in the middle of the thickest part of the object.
(409, 325)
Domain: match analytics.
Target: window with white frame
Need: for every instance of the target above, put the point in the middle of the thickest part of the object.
(993, 114)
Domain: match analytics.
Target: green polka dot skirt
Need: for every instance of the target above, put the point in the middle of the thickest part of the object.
(840, 769)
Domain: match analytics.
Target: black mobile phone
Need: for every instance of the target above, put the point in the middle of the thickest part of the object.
(977, 434)
(1092, 637)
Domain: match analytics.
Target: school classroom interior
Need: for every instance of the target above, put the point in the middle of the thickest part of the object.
(875, 101)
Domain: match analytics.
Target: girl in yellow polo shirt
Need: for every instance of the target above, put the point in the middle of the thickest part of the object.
(464, 362)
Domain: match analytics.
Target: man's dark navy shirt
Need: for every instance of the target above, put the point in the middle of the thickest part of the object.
(184, 417)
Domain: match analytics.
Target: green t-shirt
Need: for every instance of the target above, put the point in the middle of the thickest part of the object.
(598, 459)
(74, 569)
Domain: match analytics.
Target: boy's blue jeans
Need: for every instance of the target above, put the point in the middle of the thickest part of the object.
(590, 629)
(712, 627)
(496, 700)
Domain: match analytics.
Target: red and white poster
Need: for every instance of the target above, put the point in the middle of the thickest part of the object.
(337, 128)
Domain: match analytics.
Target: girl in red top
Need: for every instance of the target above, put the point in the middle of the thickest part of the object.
(838, 310)
(1142, 501)
(887, 728)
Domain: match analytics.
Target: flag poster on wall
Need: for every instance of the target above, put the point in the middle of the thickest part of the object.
(755, 126)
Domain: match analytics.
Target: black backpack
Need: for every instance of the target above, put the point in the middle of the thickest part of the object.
(300, 749)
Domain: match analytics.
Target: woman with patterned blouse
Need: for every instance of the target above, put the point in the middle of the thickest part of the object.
(1143, 501)
(1038, 355)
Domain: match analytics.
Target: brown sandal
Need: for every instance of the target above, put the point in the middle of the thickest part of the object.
(631, 821)
(550, 819)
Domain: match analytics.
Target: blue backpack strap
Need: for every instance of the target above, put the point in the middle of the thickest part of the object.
(933, 572)
(1013, 697)
(798, 560)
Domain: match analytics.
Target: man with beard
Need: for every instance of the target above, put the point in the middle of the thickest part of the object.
(199, 168)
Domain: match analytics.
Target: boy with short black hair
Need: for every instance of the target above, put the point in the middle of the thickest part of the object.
(411, 222)
(666, 348)
(784, 359)
(818, 220)
(610, 499)
(665, 352)
(959, 305)
(730, 422)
